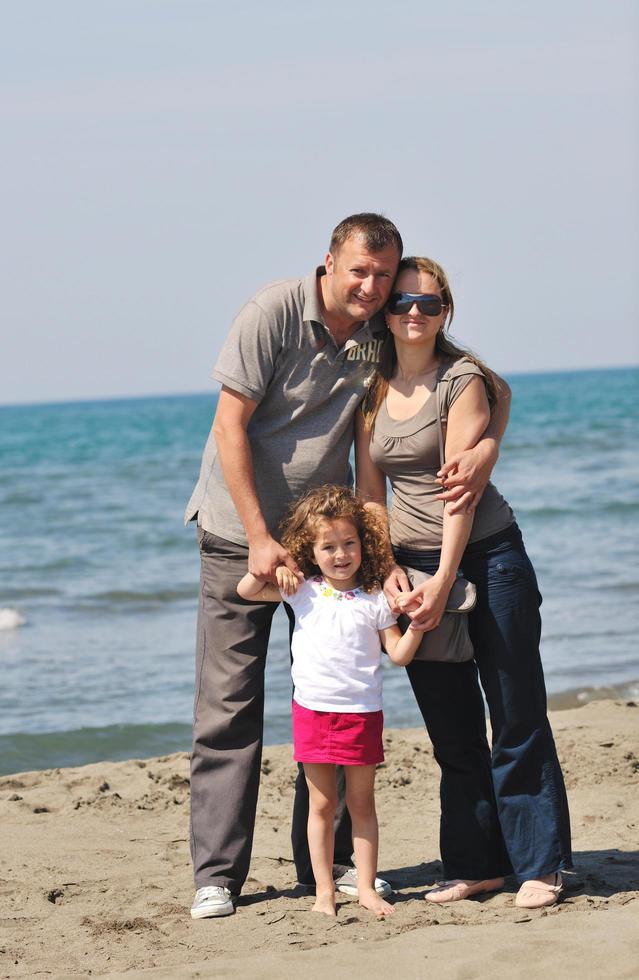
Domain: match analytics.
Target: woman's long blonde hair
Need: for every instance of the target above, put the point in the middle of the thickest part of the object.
(445, 347)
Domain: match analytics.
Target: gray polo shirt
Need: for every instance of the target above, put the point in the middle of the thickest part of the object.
(280, 354)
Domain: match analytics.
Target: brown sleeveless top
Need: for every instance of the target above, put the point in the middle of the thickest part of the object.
(408, 453)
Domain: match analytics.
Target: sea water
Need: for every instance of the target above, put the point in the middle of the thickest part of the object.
(99, 578)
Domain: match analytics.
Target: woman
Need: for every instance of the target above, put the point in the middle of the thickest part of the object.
(505, 813)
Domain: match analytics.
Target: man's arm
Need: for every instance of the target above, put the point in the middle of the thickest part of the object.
(232, 417)
(465, 474)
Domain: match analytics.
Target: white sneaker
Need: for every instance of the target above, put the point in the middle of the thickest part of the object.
(212, 901)
(347, 884)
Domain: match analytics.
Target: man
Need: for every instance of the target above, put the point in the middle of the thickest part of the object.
(293, 372)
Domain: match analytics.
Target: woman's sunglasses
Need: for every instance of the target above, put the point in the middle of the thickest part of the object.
(427, 303)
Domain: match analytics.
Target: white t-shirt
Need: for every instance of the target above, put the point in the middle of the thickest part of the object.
(336, 648)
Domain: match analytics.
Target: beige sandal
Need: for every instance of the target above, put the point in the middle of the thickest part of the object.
(458, 889)
(538, 894)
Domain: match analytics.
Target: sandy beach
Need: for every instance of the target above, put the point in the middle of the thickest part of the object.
(95, 875)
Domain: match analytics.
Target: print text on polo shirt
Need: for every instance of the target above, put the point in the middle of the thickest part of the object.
(369, 351)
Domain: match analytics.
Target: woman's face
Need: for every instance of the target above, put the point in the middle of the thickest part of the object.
(414, 327)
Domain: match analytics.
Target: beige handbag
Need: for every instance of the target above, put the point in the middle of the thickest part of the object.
(450, 641)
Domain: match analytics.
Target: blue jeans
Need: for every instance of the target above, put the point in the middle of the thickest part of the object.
(506, 810)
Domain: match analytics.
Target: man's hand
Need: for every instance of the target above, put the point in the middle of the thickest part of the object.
(287, 581)
(265, 555)
(426, 604)
(465, 475)
(395, 584)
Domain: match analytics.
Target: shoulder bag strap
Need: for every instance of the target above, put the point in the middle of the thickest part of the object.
(440, 433)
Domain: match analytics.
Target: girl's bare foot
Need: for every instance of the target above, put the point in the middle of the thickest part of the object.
(369, 899)
(325, 903)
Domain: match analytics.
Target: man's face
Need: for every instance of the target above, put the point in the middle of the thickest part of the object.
(358, 281)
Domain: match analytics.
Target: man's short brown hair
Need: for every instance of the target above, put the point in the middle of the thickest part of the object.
(376, 230)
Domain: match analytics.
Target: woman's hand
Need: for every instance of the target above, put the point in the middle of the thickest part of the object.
(426, 604)
(465, 474)
(396, 584)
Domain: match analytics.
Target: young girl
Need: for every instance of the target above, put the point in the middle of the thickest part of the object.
(341, 621)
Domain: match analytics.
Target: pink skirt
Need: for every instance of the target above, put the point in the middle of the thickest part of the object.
(339, 738)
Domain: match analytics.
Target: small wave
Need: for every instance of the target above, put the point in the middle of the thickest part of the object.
(156, 598)
(22, 752)
(60, 564)
(578, 696)
(631, 587)
(543, 511)
(20, 499)
(580, 508)
(619, 507)
(28, 593)
(606, 634)
(10, 619)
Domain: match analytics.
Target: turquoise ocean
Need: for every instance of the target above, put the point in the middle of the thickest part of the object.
(98, 576)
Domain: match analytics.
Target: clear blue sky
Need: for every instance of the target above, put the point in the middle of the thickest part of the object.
(164, 158)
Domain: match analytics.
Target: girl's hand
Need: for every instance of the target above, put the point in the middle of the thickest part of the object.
(426, 604)
(287, 581)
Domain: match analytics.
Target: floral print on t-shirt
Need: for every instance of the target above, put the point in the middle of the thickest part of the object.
(332, 593)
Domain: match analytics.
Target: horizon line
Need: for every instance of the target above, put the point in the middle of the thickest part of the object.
(86, 400)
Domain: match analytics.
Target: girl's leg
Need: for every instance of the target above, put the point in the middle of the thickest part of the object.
(505, 629)
(343, 856)
(322, 791)
(360, 800)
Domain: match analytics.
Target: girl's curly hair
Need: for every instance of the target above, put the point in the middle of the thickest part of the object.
(331, 502)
